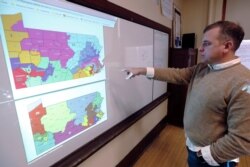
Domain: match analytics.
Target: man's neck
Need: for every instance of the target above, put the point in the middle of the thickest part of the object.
(230, 61)
(226, 58)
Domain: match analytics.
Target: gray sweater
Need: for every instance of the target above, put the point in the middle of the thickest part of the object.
(217, 109)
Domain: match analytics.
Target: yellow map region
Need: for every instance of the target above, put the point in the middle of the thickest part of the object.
(10, 20)
(14, 39)
(30, 57)
(83, 73)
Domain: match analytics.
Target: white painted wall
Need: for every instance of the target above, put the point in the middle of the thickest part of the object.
(239, 12)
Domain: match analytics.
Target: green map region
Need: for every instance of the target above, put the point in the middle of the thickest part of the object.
(56, 123)
(40, 57)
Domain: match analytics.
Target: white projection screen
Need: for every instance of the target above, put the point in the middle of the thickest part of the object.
(61, 81)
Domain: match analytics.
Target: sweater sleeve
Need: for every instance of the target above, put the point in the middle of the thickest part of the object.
(174, 75)
(236, 142)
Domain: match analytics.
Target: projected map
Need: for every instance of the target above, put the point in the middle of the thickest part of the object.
(54, 124)
(41, 56)
(55, 64)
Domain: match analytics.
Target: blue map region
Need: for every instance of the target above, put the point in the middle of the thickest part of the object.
(88, 53)
(79, 105)
(48, 72)
(85, 47)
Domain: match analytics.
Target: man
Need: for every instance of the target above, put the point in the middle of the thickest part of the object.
(217, 112)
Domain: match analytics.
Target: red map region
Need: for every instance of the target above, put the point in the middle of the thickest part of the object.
(35, 119)
(21, 77)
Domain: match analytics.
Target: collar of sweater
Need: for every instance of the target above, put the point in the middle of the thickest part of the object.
(224, 65)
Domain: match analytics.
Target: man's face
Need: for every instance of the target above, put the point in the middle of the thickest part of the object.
(212, 47)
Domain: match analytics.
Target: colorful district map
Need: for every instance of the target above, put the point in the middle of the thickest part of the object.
(41, 56)
(54, 124)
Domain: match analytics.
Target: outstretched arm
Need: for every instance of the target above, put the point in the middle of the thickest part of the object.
(171, 75)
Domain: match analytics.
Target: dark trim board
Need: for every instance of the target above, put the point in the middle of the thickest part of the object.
(81, 154)
(224, 9)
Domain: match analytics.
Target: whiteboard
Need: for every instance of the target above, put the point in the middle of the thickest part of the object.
(161, 51)
(123, 51)
(244, 53)
(125, 44)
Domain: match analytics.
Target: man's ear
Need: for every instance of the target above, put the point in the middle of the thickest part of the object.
(228, 46)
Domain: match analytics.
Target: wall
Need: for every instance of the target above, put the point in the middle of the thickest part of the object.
(195, 18)
(218, 10)
(148, 8)
(215, 10)
(196, 14)
(112, 153)
(238, 11)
